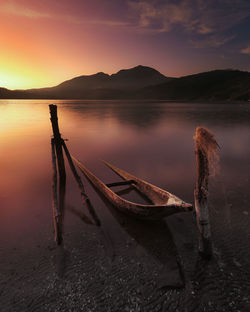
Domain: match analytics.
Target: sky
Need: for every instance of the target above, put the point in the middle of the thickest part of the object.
(45, 42)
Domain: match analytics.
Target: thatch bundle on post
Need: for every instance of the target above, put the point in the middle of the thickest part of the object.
(206, 150)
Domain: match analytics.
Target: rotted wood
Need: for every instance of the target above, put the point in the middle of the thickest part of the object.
(163, 202)
(56, 213)
(75, 174)
(201, 202)
(84, 196)
(57, 140)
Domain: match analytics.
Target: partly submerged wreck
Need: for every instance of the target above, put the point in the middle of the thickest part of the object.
(162, 203)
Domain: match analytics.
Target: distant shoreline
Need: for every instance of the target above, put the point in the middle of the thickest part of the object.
(212, 102)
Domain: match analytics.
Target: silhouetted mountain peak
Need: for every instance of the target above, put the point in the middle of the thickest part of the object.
(144, 82)
(100, 75)
(139, 76)
(138, 71)
(136, 77)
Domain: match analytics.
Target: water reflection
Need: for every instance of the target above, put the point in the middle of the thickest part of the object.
(152, 140)
(148, 114)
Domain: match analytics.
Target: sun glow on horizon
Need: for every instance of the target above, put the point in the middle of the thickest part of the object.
(19, 75)
(44, 43)
(17, 80)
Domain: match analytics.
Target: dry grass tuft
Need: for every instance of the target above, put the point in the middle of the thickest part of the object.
(207, 144)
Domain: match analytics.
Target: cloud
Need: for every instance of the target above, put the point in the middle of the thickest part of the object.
(107, 23)
(13, 8)
(246, 50)
(204, 23)
(156, 17)
(194, 17)
(212, 41)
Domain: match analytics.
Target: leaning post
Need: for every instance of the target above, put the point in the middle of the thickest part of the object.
(206, 152)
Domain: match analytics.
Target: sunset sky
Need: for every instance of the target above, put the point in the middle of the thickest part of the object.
(43, 43)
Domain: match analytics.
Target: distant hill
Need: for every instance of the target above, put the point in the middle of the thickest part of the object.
(96, 86)
(222, 85)
(143, 82)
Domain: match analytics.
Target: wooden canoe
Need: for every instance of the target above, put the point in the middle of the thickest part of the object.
(162, 203)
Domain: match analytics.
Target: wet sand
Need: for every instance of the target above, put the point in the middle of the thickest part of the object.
(146, 267)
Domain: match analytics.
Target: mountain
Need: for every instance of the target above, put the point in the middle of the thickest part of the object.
(143, 82)
(140, 76)
(102, 84)
(222, 85)
(98, 86)
(137, 77)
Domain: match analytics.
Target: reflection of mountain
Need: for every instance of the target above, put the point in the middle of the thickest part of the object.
(146, 83)
(133, 115)
(127, 112)
(130, 112)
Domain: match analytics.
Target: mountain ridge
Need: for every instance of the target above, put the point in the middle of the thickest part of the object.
(142, 82)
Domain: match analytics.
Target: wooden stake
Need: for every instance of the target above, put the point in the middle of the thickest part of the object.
(205, 146)
(60, 160)
(84, 196)
(56, 214)
(75, 174)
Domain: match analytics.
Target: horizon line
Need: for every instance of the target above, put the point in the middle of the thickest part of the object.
(101, 72)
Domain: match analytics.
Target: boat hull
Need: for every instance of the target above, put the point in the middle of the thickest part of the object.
(163, 203)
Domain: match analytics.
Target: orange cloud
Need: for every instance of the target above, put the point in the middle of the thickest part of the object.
(12, 8)
(16, 9)
(246, 50)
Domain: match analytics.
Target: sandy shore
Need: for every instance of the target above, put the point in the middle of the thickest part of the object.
(141, 267)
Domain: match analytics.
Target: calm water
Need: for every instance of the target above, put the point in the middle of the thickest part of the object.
(152, 140)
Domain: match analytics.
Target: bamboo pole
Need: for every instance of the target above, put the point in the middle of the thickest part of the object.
(205, 149)
(60, 160)
(84, 196)
(56, 213)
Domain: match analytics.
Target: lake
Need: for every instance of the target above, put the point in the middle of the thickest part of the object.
(151, 140)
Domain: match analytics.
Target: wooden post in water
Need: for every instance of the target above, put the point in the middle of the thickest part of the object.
(56, 213)
(57, 141)
(205, 150)
(84, 196)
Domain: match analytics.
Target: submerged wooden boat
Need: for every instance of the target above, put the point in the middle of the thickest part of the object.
(161, 202)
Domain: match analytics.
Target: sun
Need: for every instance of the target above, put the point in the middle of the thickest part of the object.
(19, 74)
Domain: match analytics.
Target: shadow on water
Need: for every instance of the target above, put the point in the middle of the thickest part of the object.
(153, 237)
(62, 256)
